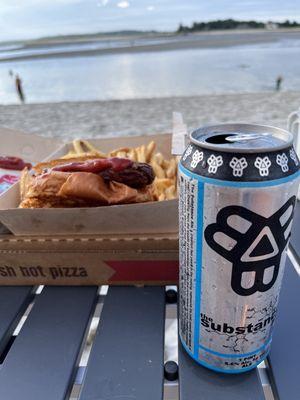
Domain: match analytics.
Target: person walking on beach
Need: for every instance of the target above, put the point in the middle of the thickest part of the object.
(19, 88)
(279, 82)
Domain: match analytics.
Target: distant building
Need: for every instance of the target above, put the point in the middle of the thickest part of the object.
(271, 26)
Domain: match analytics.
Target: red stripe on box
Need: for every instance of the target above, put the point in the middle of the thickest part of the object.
(144, 270)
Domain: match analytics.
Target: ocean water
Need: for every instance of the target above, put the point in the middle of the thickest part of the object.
(247, 68)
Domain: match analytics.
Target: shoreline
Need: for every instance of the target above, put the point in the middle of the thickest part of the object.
(207, 40)
(147, 116)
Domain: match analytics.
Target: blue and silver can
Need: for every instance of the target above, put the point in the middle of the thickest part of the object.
(238, 185)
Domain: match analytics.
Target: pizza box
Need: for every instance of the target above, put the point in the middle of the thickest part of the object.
(90, 260)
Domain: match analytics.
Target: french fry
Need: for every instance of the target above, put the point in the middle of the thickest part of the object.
(24, 182)
(132, 155)
(92, 148)
(77, 146)
(71, 154)
(166, 164)
(162, 197)
(170, 192)
(121, 154)
(163, 184)
(160, 186)
(121, 149)
(158, 170)
(159, 158)
(88, 146)
(171, 171)
(141, 154)
(149, 150)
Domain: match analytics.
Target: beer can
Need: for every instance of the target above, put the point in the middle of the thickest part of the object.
(238, 186)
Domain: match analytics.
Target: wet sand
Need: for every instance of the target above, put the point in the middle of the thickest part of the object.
(147, 116)
(127, 44)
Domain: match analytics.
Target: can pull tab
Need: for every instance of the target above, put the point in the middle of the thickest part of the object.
(244, 138)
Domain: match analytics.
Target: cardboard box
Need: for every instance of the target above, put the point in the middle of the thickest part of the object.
(31, 148)
(130, 244)
(18, 144)
(142, 218)
(89, 260)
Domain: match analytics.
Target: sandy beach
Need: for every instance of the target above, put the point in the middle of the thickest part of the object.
(146, 116)
(64, 47)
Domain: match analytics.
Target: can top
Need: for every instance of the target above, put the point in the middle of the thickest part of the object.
(242, 138)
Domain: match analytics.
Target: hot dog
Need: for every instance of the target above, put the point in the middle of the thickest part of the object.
(122, 170)
(91, 182)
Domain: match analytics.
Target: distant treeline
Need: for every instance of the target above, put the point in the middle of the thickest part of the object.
(234, 24)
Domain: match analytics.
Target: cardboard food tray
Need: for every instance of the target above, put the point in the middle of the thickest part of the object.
(89, 260)
(142, 218)
(31, 148)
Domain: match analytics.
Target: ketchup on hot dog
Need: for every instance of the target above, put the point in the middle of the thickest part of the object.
(123, 170)
(96, 166)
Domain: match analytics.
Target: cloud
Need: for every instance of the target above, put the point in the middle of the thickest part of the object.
(123, 4)
(102, 3)
(21, 19)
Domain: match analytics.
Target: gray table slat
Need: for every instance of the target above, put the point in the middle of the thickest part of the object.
(295, 239)
(13, 303)
(126, 361)
(199, 383)
(40, 364)
(285, 351)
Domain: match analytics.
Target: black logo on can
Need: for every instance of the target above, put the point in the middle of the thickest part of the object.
(255, 250)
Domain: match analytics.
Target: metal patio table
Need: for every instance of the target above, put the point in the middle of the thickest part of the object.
(126, 360)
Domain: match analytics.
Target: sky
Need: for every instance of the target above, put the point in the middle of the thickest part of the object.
(26, 19)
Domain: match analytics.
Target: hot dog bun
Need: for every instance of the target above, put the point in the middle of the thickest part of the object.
(45, 187)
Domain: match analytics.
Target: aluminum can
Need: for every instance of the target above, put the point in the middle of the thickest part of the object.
(238, 186)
